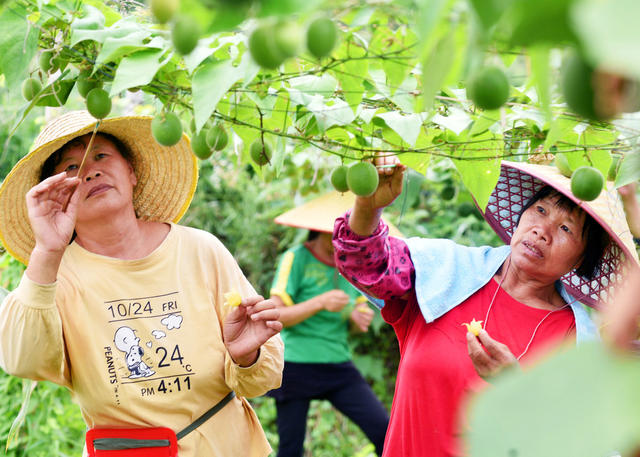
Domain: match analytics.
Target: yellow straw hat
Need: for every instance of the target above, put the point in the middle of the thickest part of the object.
(167, 176)
(518, 182)
(321, 213)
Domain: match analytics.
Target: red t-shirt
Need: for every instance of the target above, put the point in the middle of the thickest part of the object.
(436, 375)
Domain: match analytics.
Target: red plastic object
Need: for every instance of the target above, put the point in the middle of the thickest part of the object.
(156, 433)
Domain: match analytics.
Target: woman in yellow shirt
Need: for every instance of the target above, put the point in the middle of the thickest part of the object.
(119, 303)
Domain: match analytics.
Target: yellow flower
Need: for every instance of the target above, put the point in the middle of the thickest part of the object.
(474, 326)
(232, 298)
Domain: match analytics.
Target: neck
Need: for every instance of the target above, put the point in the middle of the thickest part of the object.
(125, 238)
(322, 247)
(527, 289)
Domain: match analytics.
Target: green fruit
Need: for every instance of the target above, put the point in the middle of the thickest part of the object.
(47, 61)
(166, 128)
(587, 183)
(30, 88)
(263, 47)
(217, 138)
(288, 36)
(98, 103)
(185, 34)
(260, 152)
(562, 163)
(614, 167)
(448, 192)
(86, 82)
(577, 86)
(163, 10)
(339, 178)
(200, 147)
(362, 179)
(488, 88)
(322, 35)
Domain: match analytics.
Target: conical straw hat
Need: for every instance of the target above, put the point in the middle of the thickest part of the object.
(320, 213)
(518, 182)
(167, 176)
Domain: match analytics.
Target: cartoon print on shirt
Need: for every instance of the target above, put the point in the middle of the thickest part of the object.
(158, 334)
(172, 321)
(126, 340)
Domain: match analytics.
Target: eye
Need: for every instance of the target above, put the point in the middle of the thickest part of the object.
(100, 155)
(540, 209)
(71, 167)
(564, 228)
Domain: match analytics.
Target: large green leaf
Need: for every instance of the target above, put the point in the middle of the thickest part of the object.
(541, 72)
(629, 169)
(408, 127)
(138, 69)
(489, 11)
(120, 29)
(436, 67)
(18, 44)
(210, 82)
(582, 402)
(56, 93)
(609, 32)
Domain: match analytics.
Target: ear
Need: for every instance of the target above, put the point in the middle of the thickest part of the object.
(132, 175)
(140, 351)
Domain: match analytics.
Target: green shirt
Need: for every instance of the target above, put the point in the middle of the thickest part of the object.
(321, 338)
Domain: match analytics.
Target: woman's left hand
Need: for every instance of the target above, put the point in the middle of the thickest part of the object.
(361, 317)
(248, 327)
(491, 357)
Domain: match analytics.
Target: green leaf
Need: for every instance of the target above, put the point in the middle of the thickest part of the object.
(18, 44)
(351, 81)
(114, 48)
(609, 31)
(541, 21)
(562, 129)
(120, 29)
(540, 70)
(436, 68)
(286, 7)
(93, 19)
(456, 121)
(210, 82)
(49, 97)
(479, 173)
(334, 112)
(629, 169)
(408, 127)
(419, 162)
(489, 11)
(583, 401)
(138, 69)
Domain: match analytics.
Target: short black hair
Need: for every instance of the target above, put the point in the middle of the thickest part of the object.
(54, 159)
(596, 237)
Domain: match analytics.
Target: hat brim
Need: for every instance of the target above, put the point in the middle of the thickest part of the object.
(167, 176)
(518, 182)
(321, 213)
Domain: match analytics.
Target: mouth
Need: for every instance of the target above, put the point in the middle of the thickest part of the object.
(532, 249)
(99, 189)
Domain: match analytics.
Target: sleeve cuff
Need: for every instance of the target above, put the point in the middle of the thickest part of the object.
(35, 295)
(345, 233)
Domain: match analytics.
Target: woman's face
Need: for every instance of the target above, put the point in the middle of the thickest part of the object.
(548, 241)
(107, 177)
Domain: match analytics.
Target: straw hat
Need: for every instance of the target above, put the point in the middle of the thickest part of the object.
(167, 176)
(518, 182)
(320, 213)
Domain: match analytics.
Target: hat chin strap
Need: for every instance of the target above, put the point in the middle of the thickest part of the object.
(86, 151)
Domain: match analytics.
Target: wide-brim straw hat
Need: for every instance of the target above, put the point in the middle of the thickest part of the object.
(167, 176)
(321, 213)
(518, 182)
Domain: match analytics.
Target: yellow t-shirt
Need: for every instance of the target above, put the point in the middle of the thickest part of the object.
(139, 342)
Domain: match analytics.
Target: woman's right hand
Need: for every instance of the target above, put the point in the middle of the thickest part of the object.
(368, 210)
(334, 300)
(52, 209)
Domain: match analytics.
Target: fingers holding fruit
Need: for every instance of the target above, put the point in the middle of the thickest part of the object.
(334, 300)
(489, 357)
(361, 316)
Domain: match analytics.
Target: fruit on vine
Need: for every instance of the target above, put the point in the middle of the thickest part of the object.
(322, 35)
(217, 138)
(185, 34)
(562, 164)
(260, 152)
(577, 86)
(30, 88)
(474, 326)
(288, 36)
(98, 103)
(612, 174)
(587, 183)
(448, 192)
(166, 128)
(362, 179)
(263, 47)
(163, 10)
(47, 61)
(199, 145)
(339, 178)
(488, 88)
(86, 82)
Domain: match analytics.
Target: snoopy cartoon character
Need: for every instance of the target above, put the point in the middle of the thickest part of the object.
(126, 340)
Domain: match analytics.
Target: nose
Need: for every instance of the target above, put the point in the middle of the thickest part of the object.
(91, 175)
(541, 230)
